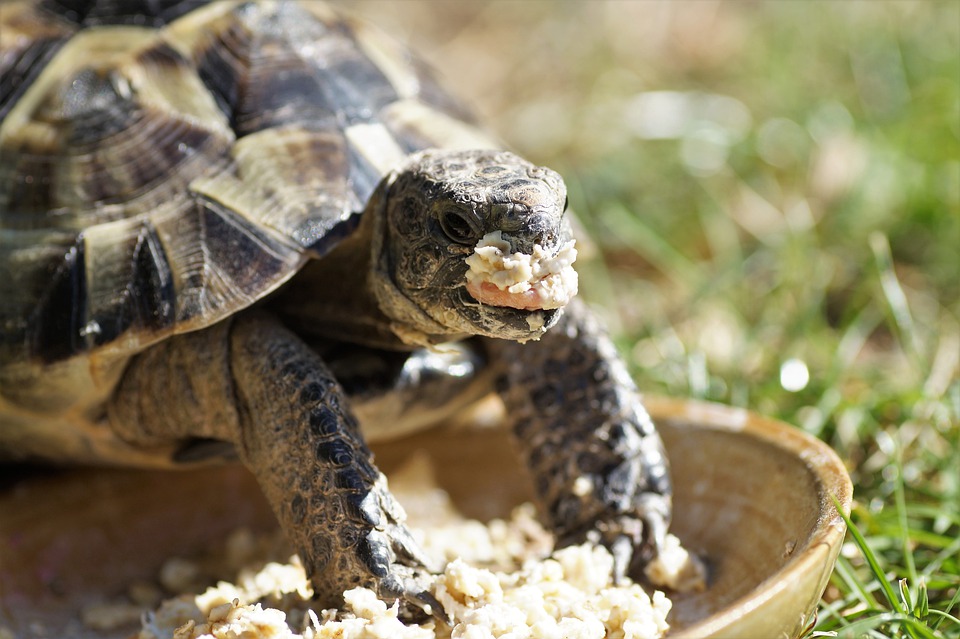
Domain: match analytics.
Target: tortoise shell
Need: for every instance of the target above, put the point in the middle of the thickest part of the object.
(165, 164)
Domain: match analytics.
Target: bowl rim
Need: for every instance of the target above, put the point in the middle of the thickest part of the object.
(828, 470)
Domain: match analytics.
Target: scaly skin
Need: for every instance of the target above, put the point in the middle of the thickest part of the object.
(261, 388)
(597, 461)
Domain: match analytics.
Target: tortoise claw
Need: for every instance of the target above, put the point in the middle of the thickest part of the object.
(634, 541)
(411, 576)
(655, 525)
(431, 606)
(411, 587)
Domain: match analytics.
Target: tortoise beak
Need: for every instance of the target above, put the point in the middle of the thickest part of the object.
(504, 322)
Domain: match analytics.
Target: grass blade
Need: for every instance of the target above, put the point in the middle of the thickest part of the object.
(845, 572)
(941, 616)
(896, 298)
(872, 561)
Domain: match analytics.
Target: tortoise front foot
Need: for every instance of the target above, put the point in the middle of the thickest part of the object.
(600, 473)
(366, 544)
(623, 504)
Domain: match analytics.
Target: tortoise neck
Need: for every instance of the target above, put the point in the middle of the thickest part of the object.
(331, 297)
(350, 295)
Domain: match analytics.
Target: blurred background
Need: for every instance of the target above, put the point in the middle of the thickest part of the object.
(771, 197)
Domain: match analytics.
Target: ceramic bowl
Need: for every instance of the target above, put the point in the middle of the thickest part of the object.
(753, 496)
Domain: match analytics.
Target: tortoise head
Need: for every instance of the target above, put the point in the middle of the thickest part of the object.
(473, 242)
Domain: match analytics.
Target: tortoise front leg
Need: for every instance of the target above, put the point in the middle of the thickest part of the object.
(255, 384)
(597, 461)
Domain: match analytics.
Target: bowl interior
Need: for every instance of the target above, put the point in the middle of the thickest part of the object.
(756, 498)
(752, 496)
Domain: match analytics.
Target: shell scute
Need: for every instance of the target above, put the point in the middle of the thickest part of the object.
(303, 176)
(277, 64)
(54, 332)
(104, 133)
(133, 286)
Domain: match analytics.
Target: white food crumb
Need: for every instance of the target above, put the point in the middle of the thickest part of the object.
(371, 619)
(234, 620)
(582, 486)
(569, 595)
(552, 279)
(535, 321)
(173, 614)
(676, 568)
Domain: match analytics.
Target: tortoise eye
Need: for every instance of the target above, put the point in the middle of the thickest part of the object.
(458, 227)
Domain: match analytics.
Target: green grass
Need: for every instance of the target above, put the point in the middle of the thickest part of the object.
(796, 199)
(724, 271)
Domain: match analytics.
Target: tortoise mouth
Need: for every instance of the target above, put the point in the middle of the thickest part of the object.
(502, 321)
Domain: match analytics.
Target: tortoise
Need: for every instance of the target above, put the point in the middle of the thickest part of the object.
(262, 230)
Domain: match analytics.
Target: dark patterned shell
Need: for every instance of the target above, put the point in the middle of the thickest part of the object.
(165, 164)
(156, 179)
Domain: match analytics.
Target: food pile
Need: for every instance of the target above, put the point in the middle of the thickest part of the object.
(501, 580)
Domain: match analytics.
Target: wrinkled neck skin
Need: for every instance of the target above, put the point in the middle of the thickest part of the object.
(349, 296)
(411, 324)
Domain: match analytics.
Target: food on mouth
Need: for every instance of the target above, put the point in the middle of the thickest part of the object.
(519, 280)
